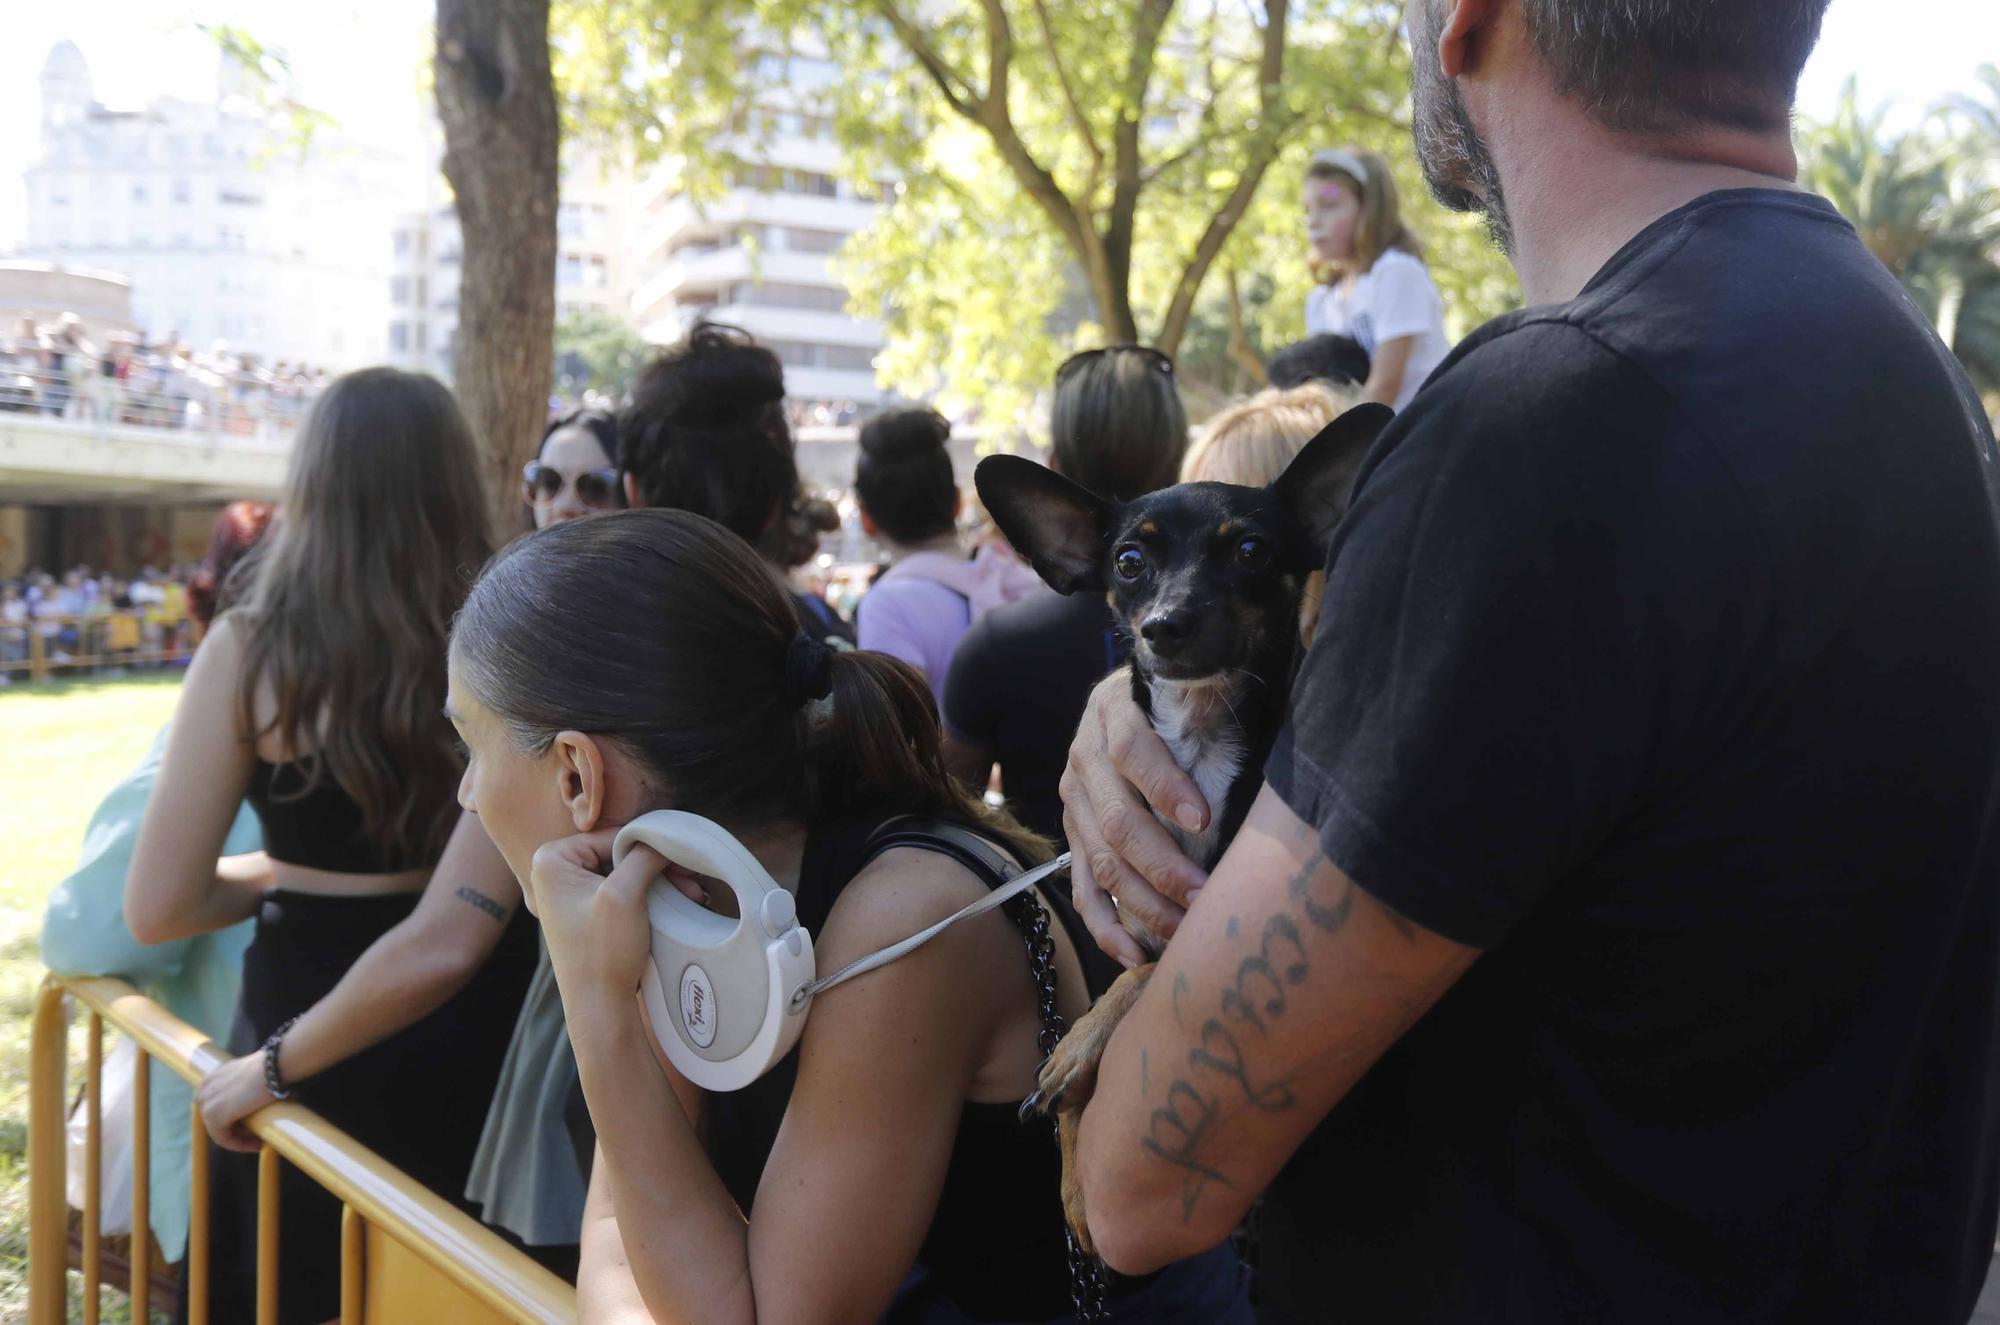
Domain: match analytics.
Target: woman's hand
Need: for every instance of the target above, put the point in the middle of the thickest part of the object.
(230, 1094)
(594, 916)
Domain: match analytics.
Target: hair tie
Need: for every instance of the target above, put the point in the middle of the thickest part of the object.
(808, 670)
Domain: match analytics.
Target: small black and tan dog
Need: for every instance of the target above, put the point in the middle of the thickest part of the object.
(1207, 577)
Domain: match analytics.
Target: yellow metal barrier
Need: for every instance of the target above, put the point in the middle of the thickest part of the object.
(406, 1253)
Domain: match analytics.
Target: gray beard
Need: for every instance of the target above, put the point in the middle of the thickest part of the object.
(1460, 171)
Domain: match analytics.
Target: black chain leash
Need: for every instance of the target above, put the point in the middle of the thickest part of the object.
(1086, 1274)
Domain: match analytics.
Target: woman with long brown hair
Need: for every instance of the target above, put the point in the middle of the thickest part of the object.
(318, 698)
(647, 660)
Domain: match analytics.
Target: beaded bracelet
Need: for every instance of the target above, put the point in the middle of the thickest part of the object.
(272, 1081)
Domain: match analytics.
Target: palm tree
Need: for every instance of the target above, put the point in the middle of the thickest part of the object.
(1927, 204)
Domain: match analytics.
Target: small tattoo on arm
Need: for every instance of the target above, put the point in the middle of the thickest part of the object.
(483, 902)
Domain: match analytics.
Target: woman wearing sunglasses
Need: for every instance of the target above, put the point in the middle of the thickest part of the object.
(576, 470)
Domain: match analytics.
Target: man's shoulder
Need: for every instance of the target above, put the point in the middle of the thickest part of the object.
(1539, 368)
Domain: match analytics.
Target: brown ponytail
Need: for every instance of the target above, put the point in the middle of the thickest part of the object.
(663, 631)
(882, 747)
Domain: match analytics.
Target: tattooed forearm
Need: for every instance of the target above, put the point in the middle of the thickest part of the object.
(483, 902)
(1222, 1054)
(1219, 1066)
(1261, 979)
(1174, 1135)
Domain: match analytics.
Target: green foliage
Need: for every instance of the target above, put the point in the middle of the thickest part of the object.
(1926, 202)
(596, 351)
(1135, 154)
(268, 72)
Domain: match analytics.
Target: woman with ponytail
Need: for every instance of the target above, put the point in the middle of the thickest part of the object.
(648, 660)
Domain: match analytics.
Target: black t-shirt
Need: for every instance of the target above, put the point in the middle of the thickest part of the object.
(1661, 659)
(1018, 683)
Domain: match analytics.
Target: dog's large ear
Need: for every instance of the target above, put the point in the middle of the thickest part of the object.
(1315, 487)
(1058, 526)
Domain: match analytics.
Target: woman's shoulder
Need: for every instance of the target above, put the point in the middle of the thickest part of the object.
(899, 892)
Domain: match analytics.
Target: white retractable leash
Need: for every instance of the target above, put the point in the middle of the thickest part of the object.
(743, 984)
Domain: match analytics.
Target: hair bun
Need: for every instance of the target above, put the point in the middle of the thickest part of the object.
(808, 670)
(904, 434)
(723, 377)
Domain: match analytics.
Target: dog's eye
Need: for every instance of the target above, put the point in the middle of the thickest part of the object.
(1130, 562)
(1253, 553)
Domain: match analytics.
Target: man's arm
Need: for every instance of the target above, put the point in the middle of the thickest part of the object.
(1283, 986)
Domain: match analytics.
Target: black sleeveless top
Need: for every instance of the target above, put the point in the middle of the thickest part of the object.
(995, 1245)
(318, 829)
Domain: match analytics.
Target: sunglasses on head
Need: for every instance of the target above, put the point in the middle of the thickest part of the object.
(596, 488)
(1152, 356)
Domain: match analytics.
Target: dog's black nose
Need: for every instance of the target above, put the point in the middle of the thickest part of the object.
(1167, 632)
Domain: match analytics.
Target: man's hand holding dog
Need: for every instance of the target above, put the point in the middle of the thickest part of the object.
(1118, 767)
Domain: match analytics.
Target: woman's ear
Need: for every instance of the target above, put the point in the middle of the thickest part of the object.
(580, 778)
(631, 483)
(867, 524)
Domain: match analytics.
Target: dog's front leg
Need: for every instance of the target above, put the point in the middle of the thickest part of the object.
(1069, 1079)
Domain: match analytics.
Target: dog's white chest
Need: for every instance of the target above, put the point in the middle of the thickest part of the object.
(1195, 725)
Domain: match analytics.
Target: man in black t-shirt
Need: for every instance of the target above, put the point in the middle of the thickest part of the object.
(1618, 936)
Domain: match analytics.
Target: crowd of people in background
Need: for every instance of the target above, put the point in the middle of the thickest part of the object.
(95, 621)
(62, 371)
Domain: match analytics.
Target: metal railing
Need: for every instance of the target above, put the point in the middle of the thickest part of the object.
(40, 647)
(406, 1253)
(188, 398)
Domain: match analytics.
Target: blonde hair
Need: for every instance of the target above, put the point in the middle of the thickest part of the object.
(1380, 227)
(1252, 441)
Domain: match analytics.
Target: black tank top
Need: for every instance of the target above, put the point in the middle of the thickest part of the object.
(995, 1245)
(318, 829)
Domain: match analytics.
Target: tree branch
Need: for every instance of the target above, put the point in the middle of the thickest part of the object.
(957, 92)
(1240, 349)
(1076, 114)
(1147, 25)
(1070, 216)
(1275, 121)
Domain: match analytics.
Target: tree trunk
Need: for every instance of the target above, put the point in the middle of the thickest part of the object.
(497, 100)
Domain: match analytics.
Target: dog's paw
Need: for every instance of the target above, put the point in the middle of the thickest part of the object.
(1069, 1077)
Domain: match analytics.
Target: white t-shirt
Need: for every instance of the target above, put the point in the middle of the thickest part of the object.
(1393, 299)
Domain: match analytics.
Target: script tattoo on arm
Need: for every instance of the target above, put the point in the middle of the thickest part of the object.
(1219, 1069)
(484, 903)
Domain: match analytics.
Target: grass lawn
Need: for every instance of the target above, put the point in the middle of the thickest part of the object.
(62, 746)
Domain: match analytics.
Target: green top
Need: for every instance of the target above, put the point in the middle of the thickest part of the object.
(196, 979)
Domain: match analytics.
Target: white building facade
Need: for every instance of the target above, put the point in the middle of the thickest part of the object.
(427, 252)
(760, 257)
(230, 235)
